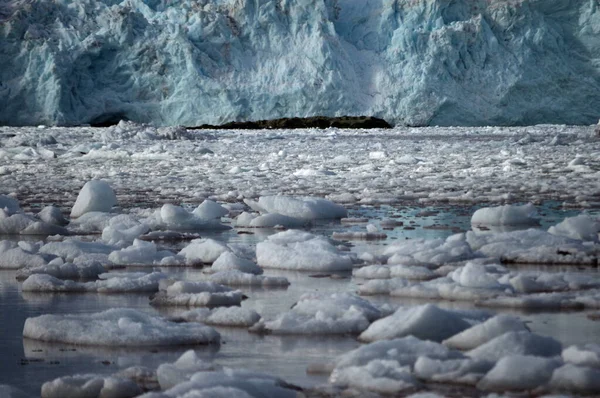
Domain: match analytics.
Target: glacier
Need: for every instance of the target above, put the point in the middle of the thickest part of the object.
(411, 62)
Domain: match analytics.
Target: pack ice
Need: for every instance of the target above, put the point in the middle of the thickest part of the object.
(185, 63)
(117, 327)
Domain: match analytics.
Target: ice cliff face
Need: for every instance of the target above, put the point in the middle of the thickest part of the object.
(417, 62)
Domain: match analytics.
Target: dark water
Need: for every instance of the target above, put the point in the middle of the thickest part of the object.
(27, 364)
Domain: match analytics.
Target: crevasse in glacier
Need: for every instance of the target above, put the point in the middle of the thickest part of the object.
(414, 62)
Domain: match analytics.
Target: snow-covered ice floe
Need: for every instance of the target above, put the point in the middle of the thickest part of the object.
(307, 208)
(338, 313)
(59, 269)
(142, 253)
(201, 294)
(228, 261)
(506, 215)
(222, 316)
(90, 385)
(190, 376)
(495, 286)
(238, 278)
(117, 327)
(176, 218)
(503, 356)
(298, 250)
(135, 283)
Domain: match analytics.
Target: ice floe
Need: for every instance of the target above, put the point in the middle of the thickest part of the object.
(176, 218)
(484, 332)
(426, 322)
(219, 383)
(62, 270)
(117, 327)
(209, 210)
(506, 215)
(96, 195)
(307, 208)
(200, 294)
(13, 256)
(123, 283)
(203, 251)
(519, 372)
(324, 314)
(90, 385)
(228, 261)
(238, 278)
(145, 253)
(222, 316)
(299, 250)
(433, 251)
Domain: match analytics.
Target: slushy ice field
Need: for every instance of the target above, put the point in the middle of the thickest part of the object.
(165, 262)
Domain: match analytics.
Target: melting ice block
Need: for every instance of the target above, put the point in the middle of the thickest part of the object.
(484, 332)
(506, 215)
(324, 314)
(298, 250)
(201, 294)
(96, 195)
(228, 261)
(427, 322)
(90, 385)
(302, 208)
(117, 327)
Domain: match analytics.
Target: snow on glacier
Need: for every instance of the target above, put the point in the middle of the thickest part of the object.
(185, 62)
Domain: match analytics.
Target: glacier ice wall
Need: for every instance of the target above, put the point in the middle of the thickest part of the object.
(414, 62)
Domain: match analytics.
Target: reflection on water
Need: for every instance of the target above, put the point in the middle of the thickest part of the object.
(27, 364)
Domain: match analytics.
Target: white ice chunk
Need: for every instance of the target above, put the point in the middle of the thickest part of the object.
(145, 253)
(121, 233)
(122, 284)
(519, 372)
(176, 218)
(476, 276)
(484, 332)
(224, 383)
(14, 257)
(517, 343)
(87, 270)
(9, 205)
(381, 376)
(188, 364)
(583, 355)
(272, 220)
(117, 327)
(200, 294)
(462, 371)
(302, 208)
(433, 251)
(210, 210)
(390, 356)
(301, 251)
(506, 215)
(71, 249)
(229, 261)
(338, 313)
(203, 250)
(238, 278)
(426, 322)
(96, 195)
(222, 316)
(576, 379)
(52, 215)
(90, 385)
(582, 227)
